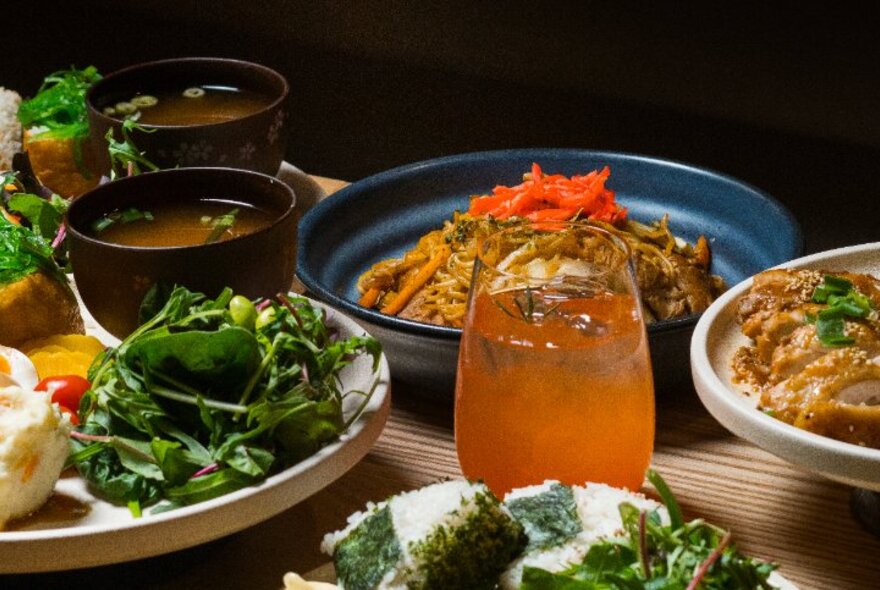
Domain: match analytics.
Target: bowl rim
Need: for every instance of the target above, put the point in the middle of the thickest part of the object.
(196, 171)
(226, 61)
(328, 207)
(835, 456)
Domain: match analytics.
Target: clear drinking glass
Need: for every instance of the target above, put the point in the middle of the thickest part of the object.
(554, 378)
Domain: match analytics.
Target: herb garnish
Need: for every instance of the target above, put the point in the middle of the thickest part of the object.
(529, 308)
(193, 405)
(654, 556)
(125, 216)
(843, 301)
(125, 157)
(219, 225)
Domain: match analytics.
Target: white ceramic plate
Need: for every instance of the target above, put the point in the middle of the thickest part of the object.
(112, 535)
(307, 191)
(716, 338)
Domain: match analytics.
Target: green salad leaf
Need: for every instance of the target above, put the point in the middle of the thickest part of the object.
(651, 555)
(193, 405)
(44, 215)
(30, 204)
(23, 252)
(221, 361)
(125, 157)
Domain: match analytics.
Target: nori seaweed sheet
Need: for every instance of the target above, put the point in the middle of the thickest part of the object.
(470, 556)
(364, 557)
(549, 518)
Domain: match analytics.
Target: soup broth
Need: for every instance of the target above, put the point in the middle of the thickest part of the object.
(174, 223)
(196, 105)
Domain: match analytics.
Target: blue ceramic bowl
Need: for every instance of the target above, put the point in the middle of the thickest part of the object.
(384, 215)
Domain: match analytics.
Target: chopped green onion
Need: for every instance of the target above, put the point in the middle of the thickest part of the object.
(125, 108)
(126, 216)
(144, 101)
(101, 224)
(832, 285)
(132, 214)
(843, 301)
(220, 225)
(194, 92)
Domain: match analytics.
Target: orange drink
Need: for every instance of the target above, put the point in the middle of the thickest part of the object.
(554, 378)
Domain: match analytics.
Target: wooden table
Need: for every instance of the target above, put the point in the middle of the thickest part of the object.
(776, 511)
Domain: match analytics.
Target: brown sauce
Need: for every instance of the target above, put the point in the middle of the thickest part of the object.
(59, 510)
(176, 223)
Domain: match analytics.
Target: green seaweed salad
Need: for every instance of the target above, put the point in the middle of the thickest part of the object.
(209, 396)
(58, 110)
(651, 555)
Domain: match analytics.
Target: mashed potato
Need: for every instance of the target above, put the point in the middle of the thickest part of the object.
(33, 448)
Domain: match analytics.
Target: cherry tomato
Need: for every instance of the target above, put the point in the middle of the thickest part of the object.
(66, 390)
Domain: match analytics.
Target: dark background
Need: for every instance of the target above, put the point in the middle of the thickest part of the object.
(782, 96)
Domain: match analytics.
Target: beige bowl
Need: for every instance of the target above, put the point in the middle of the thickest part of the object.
(717, 336)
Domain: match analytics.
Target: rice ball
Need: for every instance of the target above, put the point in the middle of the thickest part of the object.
(453, 535)
(563, 522)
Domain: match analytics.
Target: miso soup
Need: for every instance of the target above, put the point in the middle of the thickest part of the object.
(175, 223)
(195, 105)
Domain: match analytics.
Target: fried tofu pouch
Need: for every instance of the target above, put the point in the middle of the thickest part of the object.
(35, 307)
(55, 164)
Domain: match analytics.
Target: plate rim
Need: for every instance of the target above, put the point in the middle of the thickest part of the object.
(307, 190)
(837, 458)
(449, 334)
(366, 430)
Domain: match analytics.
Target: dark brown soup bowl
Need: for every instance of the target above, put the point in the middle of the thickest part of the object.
(113, 279)
(253, 142)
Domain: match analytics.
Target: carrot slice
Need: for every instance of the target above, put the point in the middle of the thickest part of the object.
(552, 215)
(13, 219)
(417, 282)
(370, 298)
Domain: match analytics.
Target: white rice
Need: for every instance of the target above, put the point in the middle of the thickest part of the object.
(415, 514)
(10, 128)
(529, 491)
(597, 508)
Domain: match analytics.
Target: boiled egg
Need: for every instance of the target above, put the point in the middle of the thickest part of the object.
(17, 369)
